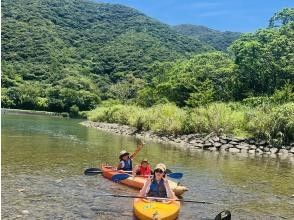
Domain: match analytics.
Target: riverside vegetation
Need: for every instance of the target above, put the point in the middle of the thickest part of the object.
(73, 56)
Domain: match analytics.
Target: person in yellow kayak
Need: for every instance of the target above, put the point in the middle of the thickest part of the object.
(157, 185)
(144, 169)
(126, 159)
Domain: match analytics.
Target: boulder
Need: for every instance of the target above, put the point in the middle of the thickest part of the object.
(223, 141)
(283, 151)
(234, 150)
(225, 147)
(213, 149)
(215, 139)
(261, 143)
(198, 145)
(266, 149)
(252, 147)
(251, 151)
(259, 151)
(233, 143)
(192, 141)
(207, 145)
(274, 150)
(217, 145)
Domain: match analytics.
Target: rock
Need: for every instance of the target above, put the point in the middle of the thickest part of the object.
(243, 145)
(252, 147)
(261, 143)
(210, 140)
(192, 141)
(21, 190)
(213, 149)
(217, 145)
(225, 147)
(234, 150)
(283, 151)
(244, 151)
(199, 141)
(215, 139)
(25, 212)
(58, 181)
(251, 151)
(274, 150)
(223, 141)
(251, 141)
(292, 150)
(198, 145)
(259, 151)
(233, 143)
(207, 145)
(237, 140)
(177, 140)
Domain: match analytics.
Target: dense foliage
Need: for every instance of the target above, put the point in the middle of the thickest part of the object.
(217, 39)
(60, 53)
(274, 123)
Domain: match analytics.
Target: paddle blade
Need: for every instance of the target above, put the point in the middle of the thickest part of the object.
(168, 171)
(119, 177)
(175, 175)
(92, 171)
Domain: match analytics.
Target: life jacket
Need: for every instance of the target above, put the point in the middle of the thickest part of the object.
(144, 171)
(127, 165)
(157, 189)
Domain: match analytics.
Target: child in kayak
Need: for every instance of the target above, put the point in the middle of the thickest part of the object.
(144, 169)
(157, 185)
(126, 160)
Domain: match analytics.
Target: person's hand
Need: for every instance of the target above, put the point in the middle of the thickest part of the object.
(149, 179)
(165, 180)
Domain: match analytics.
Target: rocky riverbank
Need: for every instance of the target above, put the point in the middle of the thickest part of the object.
(209, 142)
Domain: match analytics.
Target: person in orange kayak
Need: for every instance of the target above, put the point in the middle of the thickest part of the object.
(126, 160)
(157, 185)
(144, 169)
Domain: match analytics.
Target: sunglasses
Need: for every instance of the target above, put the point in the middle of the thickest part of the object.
(158, 171)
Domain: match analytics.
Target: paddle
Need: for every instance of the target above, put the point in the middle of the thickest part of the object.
(96, 171)
(154, 198)
(123, 176)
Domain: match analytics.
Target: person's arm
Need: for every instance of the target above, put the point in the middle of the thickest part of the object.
(139, 147)
(146, 187)
(169, 192)
(120, 165)
(135, 170)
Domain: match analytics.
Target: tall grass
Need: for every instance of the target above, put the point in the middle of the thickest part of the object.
(273, 123)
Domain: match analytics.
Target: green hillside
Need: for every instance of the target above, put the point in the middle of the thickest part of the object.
(217, 39)
(65, 53)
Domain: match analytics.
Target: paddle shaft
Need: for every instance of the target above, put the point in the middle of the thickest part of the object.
(155, 198)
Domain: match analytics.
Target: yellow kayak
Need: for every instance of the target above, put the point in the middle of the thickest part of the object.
(156, 210)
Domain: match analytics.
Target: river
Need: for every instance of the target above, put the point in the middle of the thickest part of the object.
(43, 159)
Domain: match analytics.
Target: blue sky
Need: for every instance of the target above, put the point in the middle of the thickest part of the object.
(231, 15)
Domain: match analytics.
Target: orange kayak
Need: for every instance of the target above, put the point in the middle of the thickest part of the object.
(159, 210)
(137, 182)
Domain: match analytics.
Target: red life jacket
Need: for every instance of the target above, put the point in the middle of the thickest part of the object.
(144, 171)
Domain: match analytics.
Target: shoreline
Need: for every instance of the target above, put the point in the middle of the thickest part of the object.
(210, 142)
(29, 112)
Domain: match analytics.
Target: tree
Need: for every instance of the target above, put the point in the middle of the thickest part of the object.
(282, 17)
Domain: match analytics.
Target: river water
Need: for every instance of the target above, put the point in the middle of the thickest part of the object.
(43, 159)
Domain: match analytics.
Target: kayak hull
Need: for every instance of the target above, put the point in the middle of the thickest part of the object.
(137, 182)
(156, 210)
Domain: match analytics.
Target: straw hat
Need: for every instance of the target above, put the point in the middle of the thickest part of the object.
(123, 153)
(160, 166)
(145, 160)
